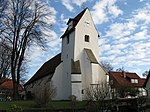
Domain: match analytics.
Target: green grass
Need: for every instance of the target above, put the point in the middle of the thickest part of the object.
(31, 104)
(23, 104)
(67, 104)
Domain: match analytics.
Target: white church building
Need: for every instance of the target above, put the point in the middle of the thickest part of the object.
(77, 66)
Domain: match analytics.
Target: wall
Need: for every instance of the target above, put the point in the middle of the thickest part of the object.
(67, 55)
(41, 82)
(148, 87)
(77, 86)
(58, 82)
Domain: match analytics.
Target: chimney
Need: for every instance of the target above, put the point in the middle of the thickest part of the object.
(124, 74)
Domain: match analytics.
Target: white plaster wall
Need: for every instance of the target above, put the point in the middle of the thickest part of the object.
(76, 77)
(83, 29)
(95, 74)
(75, 50)
(148, 88)
(102, 77)
(98, 74)
(77, 86)
(67, 55)
(58, 82)
(68, 49)
(76, 90)
(41, 82)
(86, 72)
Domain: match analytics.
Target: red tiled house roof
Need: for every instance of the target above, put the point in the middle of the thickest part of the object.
(8, 84)
(124, 79)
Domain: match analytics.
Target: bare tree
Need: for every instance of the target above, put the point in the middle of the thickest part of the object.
(25, 22)
(98, 96)
(120, 69)
(46, 93)
(3, 6)
(145, 74)
(107, 66)
(5, 62)
(125, 91)
(5, 59)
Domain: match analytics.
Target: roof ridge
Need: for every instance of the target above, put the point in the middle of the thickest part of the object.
(75, 20)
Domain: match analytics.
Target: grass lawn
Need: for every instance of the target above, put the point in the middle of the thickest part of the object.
(31, 104)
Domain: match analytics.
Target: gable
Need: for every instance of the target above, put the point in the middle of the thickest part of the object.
(75, 22)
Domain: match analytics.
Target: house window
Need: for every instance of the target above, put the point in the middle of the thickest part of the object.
(87, 38)
(67, 39)
(134, 80)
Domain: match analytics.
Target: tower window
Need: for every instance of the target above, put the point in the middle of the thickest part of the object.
(82, 91)
(67, 39)
(87, 38)
(67, 56)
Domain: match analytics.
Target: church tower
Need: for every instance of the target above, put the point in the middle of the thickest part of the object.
(77, 66)
(80, 55)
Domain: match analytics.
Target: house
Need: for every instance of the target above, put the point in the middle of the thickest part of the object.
(147, 84)
(126, 84)
(77, 66)
(6, 88)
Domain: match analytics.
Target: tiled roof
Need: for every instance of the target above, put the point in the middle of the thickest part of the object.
(46, 69)
(75, 22)
(124, 79)
(132, 75)
(75, 67)
(3, 80)
(8, 84)
(91, 56)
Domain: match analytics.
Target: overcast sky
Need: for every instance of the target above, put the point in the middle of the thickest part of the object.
(123, 26)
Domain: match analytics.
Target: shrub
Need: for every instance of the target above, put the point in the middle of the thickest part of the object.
(15, 108)
(44, 93)
(73, 100)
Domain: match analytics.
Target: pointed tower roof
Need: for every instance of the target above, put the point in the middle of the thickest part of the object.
(75, 22)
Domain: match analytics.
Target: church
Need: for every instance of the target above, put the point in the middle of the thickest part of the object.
(77, 66)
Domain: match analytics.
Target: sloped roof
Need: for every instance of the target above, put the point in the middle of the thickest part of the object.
(75, 22)
(48, 68)
(121, 81)
(75, 67)
(132, 75)
(8, 84)
(4, 79)
(91, 56)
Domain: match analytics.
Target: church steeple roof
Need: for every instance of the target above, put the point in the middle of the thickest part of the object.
(75, 22)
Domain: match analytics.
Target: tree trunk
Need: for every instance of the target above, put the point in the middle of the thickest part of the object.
(15, 90)
(13, 73)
